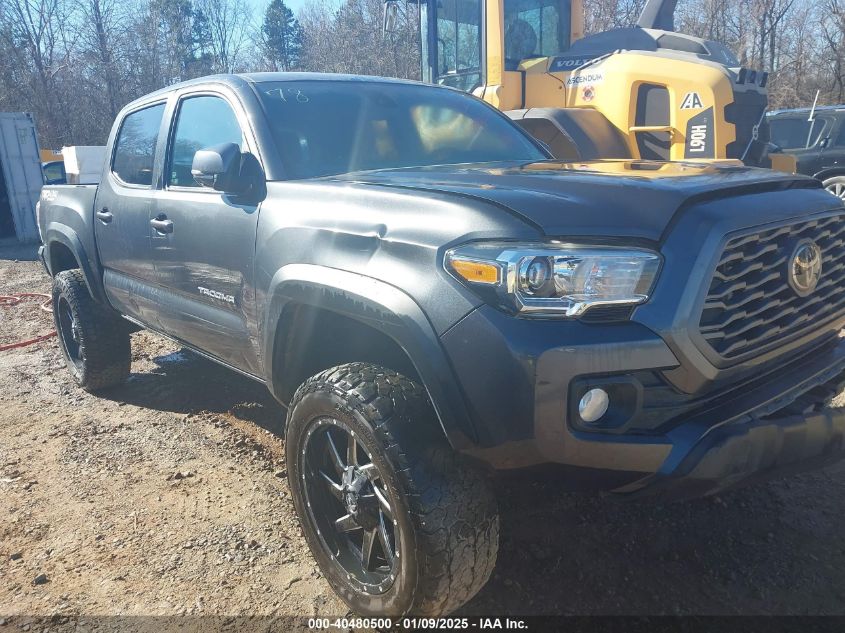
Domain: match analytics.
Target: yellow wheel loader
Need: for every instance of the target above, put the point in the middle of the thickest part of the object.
(644, 92)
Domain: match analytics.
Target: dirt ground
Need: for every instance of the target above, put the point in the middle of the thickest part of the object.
(168, 497)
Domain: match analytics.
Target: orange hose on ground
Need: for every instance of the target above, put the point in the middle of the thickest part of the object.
(13, 300)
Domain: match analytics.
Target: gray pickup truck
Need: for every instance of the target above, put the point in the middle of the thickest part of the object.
(433, 298)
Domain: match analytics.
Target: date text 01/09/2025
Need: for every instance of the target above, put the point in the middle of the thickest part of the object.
(419, 624)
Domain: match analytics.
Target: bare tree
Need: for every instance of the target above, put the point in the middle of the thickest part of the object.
(833, 34)
(75, 63)
(229, 27)
(350, 39)
(33, 31)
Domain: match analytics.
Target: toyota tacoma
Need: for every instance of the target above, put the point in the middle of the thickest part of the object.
(433, 298)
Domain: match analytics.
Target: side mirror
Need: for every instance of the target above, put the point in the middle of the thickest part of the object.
(226, 169)
(218, 167)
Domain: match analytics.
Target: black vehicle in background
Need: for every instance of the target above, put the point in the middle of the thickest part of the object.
(816, 139)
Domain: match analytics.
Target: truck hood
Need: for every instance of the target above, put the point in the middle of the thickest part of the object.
(612, 198)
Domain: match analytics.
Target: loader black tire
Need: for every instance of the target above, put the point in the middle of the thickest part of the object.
(444, 514)
(93, 338)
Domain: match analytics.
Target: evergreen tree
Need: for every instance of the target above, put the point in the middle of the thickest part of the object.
(282, 35)
(202, 58)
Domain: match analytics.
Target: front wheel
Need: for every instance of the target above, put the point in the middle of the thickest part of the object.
(836, 186)
(397, 521)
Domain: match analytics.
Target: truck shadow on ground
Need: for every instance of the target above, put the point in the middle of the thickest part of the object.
(772, 548)
(184, 382)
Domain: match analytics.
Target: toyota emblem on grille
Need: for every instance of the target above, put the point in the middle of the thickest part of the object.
(805, 267)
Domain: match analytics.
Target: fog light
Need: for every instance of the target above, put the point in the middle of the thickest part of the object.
(593, 405)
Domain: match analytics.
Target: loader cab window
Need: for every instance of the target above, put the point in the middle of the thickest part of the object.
(535, 28)
(457, 33)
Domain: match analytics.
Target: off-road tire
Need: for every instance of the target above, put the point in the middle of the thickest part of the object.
(836, 186)
(447, 516)
(104, 354)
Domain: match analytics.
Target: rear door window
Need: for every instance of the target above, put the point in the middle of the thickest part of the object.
(134, 152)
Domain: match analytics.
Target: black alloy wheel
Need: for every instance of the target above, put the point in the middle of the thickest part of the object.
(69, 335)
(398, 522)
(348, 502)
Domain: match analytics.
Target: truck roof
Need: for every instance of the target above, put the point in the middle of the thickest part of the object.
(241, 80)
(826, 108)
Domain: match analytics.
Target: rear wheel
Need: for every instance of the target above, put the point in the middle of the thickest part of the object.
(397, 521)
(836, 186)
(94, 340)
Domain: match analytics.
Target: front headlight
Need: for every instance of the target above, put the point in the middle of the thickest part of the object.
(563, 280)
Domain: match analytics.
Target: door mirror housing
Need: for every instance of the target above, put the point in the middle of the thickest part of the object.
(226, 169)
(216, 167)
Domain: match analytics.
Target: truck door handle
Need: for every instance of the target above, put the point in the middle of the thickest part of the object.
(104, 215)
(162, 224)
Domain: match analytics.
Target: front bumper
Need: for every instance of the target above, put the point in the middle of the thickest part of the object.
(780, 426)
(746, 452)
(773, 421)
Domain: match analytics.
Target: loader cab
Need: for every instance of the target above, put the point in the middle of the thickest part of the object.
(452, 43)
(535, 28)
(470, 44)
(642, 91)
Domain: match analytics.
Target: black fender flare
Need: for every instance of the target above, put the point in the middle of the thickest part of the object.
(62, 234)
(387, 309)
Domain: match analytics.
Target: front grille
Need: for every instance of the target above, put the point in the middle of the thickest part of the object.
(750, 304)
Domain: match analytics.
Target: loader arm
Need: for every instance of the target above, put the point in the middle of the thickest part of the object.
(658, 14)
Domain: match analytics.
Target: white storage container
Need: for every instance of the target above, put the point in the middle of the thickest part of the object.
(20, 176)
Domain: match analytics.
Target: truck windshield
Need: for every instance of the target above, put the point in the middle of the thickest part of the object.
(323, 128)
(535, 28)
